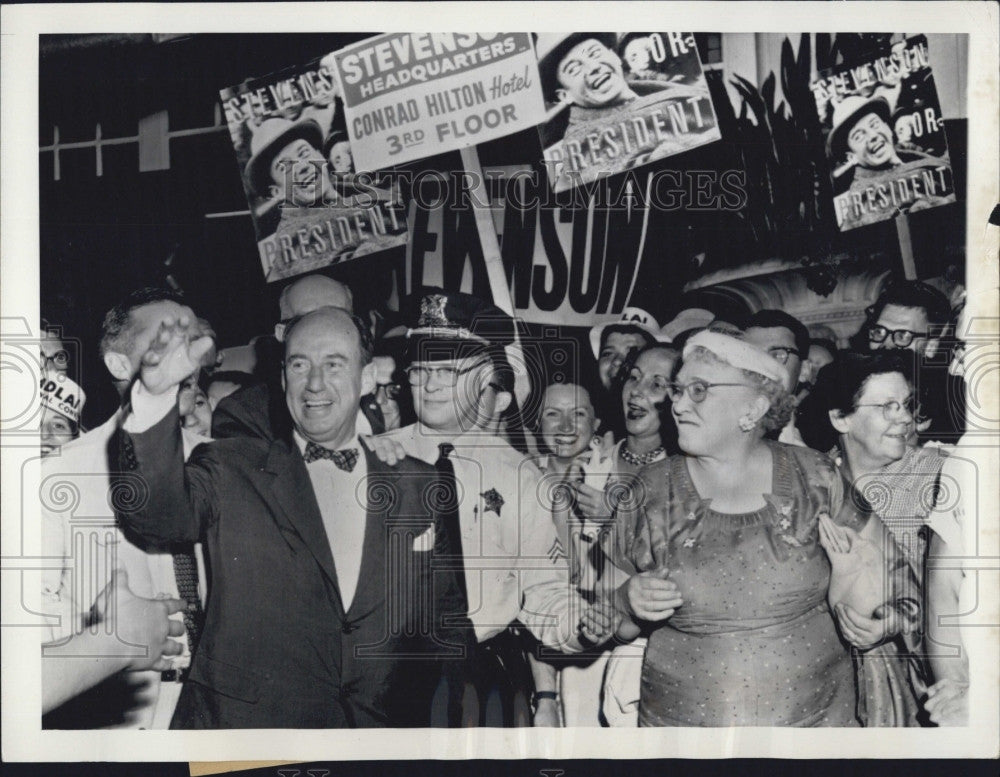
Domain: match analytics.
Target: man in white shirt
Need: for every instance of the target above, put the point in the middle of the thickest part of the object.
(515, 566)
(83, 531)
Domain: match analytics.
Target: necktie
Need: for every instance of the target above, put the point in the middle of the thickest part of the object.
(345, 459)
(456, 675)
(186, 573)
(448, 508)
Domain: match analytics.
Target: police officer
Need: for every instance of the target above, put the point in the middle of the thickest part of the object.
(515, 567)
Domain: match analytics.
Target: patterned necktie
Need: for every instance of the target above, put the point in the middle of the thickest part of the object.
(345, 459)
(186, 573)
(447, 508)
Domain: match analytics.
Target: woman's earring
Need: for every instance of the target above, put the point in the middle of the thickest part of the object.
(747, 424)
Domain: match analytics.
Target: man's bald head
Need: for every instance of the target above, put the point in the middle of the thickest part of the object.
(311, 293)
(335, 318)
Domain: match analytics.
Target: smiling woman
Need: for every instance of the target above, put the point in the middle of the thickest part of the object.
(871, 404)
(870, 399)
(722, 546)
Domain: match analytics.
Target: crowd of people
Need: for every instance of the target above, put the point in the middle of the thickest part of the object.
(725, 521)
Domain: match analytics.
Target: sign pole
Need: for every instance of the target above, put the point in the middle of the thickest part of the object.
(487, 231)
(906, 247)
(494, 265)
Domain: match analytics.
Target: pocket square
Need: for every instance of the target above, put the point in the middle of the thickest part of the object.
(425, 541)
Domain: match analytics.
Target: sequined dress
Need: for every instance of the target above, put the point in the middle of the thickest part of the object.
(754, 643)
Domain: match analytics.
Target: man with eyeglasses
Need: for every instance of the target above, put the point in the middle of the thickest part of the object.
(910, 315)
(913, 316)
(515, 567)
(53, 354)
(386, 394)
(786, 339)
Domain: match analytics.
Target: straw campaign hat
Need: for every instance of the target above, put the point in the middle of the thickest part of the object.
(552, 47)
(845, 115)
(689, 318)
(62, 395)
(631, 317)
(268, 139)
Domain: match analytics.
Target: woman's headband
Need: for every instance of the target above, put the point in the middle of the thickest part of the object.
(740, 354)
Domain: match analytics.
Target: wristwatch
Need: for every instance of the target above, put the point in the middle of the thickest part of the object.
(538, 696)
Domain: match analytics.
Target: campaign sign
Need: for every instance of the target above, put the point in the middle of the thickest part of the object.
(414, 95)
(886, 142)
(309, 208)
(620, 100)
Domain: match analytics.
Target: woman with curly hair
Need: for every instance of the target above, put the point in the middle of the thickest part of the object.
(725, 547)
(596, 477)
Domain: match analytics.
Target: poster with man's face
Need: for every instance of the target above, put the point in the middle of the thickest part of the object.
(620, 100)
(886, 146)
(309, 209)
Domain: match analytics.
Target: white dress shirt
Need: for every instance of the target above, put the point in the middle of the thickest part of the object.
(515, 565)
(343, 503)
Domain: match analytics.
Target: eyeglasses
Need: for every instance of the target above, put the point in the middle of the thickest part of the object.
(697, 390)
(781, 354)
(900, 337)
(892, 408)
(391, 390)
(446, 376)
(60, 359)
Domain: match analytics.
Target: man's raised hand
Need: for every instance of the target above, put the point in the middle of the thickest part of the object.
(177, 350)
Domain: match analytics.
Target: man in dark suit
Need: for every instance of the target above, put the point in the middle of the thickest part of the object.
(330, 606)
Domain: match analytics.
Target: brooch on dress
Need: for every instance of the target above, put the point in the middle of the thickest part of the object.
(784, 522)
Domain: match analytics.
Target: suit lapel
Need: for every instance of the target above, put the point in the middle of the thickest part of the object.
(373, 579)
(291, 492)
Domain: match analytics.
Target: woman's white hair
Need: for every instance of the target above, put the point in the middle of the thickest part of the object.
(781, 402)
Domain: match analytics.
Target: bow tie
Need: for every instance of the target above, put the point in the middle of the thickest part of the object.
(344, 459)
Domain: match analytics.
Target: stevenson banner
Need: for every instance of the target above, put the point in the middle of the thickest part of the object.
(413, 95)
(309, 209)
(620, 100)
(886, 147)
(575, 266)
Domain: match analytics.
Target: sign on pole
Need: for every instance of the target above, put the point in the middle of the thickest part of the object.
(886, 143)
(414, 95)
(619, 101)
(309, 209)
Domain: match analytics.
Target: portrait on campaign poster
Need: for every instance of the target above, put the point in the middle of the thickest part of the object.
(886, 146)
(617, 101)
(309, 208)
